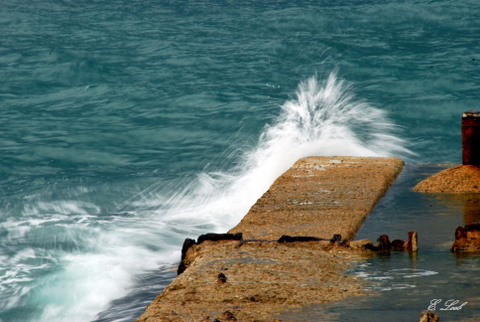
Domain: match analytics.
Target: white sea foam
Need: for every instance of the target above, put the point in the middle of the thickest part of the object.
(393, 279)
(89, 281)
(323, 119)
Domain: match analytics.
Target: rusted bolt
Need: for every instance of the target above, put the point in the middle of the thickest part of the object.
(227, 315)
(221, 278)
(471, 138)
(429, 316)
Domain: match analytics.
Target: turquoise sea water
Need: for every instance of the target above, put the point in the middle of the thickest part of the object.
(127, 126)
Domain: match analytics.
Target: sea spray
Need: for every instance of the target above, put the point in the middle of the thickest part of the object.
(323, 119)
(92, 258)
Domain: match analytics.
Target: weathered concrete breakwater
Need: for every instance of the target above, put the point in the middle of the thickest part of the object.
(257, 277)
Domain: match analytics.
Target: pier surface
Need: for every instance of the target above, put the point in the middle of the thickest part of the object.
(256, 278)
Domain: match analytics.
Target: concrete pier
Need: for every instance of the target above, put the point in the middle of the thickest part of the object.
(320, 197)
(255, 278)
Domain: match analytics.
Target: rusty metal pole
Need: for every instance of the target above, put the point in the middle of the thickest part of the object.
(471, 138)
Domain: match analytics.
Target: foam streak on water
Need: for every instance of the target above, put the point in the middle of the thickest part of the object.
(89, 259)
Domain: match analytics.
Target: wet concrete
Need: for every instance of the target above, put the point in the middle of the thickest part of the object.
(257, 277)
(459, 179)
(320, 197)
(403, 284)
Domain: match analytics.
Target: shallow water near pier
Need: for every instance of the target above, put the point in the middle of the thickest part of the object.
(128, 126)
(404, 284)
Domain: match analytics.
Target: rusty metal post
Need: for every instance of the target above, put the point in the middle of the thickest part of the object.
(471, 138)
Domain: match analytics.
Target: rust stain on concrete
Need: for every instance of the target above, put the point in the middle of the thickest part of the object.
(256, 278)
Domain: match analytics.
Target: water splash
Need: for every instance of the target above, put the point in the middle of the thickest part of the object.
(92, 258)
(326, 119)
(323, 119)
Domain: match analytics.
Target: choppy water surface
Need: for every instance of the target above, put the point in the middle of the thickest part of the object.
(126, 126)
